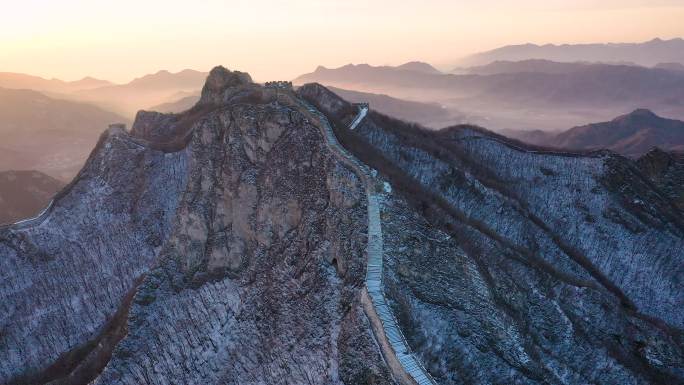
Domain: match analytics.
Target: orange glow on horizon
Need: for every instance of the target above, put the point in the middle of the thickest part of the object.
(274, 39)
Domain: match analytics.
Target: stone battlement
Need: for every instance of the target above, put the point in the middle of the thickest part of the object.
(279, 84)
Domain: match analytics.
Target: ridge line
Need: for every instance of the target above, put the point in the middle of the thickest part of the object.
(374, 267)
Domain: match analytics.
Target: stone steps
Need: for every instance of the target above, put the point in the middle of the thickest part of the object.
(374, 282)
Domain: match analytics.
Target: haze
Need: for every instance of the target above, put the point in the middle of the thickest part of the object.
(282, 39)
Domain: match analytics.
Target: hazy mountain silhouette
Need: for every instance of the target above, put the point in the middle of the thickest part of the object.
(569, 83)
(632, 134)
(148, 90)
(549, 67)
(418, 66)
(670, 66)
(428, 114)
(46, 134)
(549, 96)
(530, 65)
(180, 105)
(24, 194)
(648, 53)
(30, 82)
(124, 99)
(359, 76)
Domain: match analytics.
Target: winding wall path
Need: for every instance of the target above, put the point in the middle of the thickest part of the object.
(374, 277)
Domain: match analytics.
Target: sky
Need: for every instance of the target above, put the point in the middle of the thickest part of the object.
(273, 39)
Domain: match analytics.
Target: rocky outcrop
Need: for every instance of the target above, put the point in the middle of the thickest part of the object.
(222, 85)
(250, 238)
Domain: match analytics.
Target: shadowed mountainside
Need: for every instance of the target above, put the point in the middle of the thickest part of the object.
(24, 194)
(48, 135)
(666, 171)
(632, 134)
(491, 284)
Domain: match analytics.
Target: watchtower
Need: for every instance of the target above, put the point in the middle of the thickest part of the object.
(278, 85)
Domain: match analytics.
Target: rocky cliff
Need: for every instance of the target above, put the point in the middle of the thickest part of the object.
(229, 244)
(240, 229)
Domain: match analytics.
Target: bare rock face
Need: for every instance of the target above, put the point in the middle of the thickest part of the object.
(508, 265)
(221, 84)
(155, 126)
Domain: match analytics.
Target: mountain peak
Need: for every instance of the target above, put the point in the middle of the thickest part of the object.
(639, 113)
(418, 66)
(219, 80)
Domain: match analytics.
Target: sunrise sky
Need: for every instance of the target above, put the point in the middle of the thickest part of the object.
(119, 40)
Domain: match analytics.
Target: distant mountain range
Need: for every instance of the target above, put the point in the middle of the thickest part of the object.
(24, 194)
(529, 65)
(632, 134)
(527, 95)
(546, 67)
(154, 89)
(30, 82)
(428, 114)
(360, 76)
(418, 66)
(648, 53)
(544, 82)
(124, 99)
(50, 135)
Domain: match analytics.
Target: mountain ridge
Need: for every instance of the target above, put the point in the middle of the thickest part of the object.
(23, 81)
(647, 53)
(632, 134)
(53, 136)
(552, 101)
(24, 194)
(232, 245)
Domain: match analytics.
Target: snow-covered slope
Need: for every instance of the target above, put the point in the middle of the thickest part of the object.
(511, 265)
